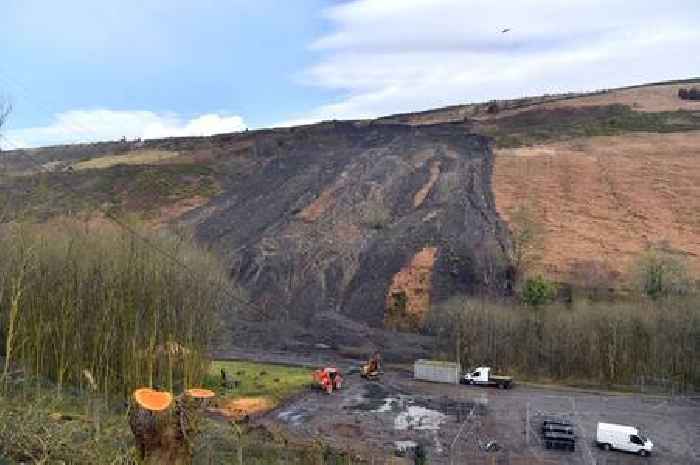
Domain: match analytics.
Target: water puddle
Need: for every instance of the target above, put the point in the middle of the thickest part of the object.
(293, 417)
(419, 418)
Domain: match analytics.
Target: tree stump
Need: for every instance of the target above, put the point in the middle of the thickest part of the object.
(164, 426)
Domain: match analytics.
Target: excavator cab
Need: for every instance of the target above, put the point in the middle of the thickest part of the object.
(373, 368)
(329, 379)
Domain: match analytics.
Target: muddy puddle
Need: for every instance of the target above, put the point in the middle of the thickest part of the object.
(293, 416)
(412, 412)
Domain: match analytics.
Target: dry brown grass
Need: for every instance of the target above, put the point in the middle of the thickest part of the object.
(136, 157)
(644, 99)
(651, 98)
(606, 199)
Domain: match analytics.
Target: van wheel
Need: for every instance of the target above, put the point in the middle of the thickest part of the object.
(643, 453)
(606, 446)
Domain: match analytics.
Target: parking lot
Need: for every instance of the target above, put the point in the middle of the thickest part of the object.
(458, 424)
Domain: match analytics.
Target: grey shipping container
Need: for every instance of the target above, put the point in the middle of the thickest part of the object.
(437, 371)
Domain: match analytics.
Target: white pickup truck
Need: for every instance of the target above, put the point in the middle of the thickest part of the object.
(482, 376)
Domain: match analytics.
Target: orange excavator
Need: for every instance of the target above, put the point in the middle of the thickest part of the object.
(373, 368)
(328, 378)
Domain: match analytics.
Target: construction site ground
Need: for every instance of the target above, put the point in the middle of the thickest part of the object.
(454, 423)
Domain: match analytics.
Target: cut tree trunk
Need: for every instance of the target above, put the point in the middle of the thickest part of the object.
(164, 436)
(161, 437)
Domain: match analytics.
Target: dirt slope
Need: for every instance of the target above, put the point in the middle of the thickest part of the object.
(607, 175)
(335, 212)
(603, 200)
(375, 221)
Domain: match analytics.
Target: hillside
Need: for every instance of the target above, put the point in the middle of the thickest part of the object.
(607, 175)
(373, 221)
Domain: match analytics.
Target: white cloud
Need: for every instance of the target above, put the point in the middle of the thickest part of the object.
(389, 56)
(99, 125)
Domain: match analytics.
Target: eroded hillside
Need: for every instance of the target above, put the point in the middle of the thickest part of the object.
(335, 213)
(375, 221)
(605, 175)
(326, 219)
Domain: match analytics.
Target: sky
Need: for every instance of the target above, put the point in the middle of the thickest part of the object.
(80, 70)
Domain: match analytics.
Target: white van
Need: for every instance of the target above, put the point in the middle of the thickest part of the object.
(627, 438)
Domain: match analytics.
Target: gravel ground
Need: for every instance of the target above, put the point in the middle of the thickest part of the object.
(454, 423)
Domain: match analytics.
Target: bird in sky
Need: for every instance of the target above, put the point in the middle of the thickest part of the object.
(505, 30)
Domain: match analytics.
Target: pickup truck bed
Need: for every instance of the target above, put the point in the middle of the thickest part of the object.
(501, 382)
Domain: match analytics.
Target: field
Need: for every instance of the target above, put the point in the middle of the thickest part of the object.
(136, 157)
(254, 388)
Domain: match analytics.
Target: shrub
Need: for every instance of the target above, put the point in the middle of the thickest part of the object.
(596, 342)
(376, 216)
(538, 291)
(661, 273)
(76, 298)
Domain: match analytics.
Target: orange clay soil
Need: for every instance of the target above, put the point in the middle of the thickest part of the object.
(603, 200)
(413, 283)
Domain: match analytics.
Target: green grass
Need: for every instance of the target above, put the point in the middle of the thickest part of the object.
(28, 426)
(30, 433)
(136, 157)
(278, 382)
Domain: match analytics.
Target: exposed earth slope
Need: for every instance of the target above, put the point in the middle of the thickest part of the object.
(374, 221)
(335, 212)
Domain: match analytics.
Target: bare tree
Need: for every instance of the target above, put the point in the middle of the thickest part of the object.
(5, 110)
(662, 271)
(526, 236)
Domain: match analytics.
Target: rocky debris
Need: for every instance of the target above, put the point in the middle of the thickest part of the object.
(334, 211)
(317, 221)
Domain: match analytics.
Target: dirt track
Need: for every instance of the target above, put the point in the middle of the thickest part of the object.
(452, 421)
